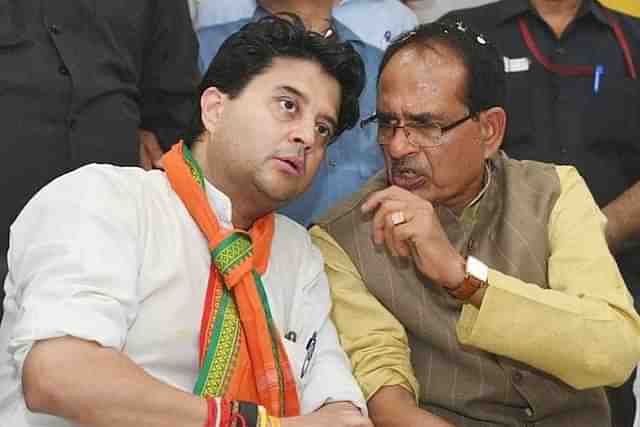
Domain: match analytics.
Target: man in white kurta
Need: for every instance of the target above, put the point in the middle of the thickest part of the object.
(110, 254)
(108, 270)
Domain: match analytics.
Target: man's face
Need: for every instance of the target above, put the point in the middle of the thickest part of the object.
(269, 141)
(427, 86)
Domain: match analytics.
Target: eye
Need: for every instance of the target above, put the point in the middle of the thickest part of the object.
(324, 130)
(288, 105)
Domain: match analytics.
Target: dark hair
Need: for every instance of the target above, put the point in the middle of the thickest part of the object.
(485, 84)
(251, 51)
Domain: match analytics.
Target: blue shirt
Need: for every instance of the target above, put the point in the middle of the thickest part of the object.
(391, 17)
(352, 158)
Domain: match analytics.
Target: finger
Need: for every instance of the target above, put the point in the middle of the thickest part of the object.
(402, 235)
(389, 238)
(376, 198)
(379, 220)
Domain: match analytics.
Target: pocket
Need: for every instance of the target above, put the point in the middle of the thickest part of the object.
(12, 23)
(613, 114)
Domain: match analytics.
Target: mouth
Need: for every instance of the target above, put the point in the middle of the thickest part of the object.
(291, 165)
(407, 179)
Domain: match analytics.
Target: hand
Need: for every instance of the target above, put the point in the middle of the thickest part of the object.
(336, 414)
(419, 236)
(150, 151)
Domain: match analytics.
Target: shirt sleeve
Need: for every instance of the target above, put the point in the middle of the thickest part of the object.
(170, 76)
(373, 338)
(583, 329)
(72, 261)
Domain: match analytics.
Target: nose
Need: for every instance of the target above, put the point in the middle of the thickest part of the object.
(303, 133)
(399, 146)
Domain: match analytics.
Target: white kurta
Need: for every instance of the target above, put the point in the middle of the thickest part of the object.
(111, 255)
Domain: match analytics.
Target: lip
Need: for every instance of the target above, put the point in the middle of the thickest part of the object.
(407, 181)
(291, 165)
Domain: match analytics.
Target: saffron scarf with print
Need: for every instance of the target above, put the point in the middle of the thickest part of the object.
(241, 354)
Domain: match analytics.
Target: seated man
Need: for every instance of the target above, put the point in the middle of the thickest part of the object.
(129, 289)
(355, 157)
(498, 269)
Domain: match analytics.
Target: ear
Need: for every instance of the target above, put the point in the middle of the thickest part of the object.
(212, 104)
(493, 122)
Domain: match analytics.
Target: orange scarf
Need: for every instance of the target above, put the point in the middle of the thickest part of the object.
(242, 356)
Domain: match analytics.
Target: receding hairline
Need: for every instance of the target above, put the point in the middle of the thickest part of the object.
(435, 46)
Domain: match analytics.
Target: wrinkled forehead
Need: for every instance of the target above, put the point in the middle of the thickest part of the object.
(422, 79)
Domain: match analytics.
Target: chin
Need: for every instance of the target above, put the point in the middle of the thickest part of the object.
(281, 196)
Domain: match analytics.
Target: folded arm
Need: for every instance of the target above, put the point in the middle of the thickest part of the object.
(583, 330)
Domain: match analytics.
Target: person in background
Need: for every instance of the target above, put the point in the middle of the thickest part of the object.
(353, 157)
(574, 98)
(430, 10)
(177, 297)
(498, 269)
(376, 22)
(82, 82)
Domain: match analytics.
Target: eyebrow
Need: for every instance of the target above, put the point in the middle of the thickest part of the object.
(305, 99)
(424, 117)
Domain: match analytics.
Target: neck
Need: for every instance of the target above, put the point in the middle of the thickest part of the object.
(244, 211)
(315, 14)
(557, 13)
(462, 201)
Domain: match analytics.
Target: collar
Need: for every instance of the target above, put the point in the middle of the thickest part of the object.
(469, 212)
(220, 203)
(512, 8)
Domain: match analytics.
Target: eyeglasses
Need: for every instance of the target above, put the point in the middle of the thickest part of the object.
(421, 135)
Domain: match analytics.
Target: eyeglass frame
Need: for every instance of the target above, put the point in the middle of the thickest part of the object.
(416, 125)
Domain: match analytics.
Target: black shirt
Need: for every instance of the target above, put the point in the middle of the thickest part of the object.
(562, 119)
(78, 78)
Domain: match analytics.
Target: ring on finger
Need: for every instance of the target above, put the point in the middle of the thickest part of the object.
(397, 218)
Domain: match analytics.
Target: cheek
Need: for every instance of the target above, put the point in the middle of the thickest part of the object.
(455, 165)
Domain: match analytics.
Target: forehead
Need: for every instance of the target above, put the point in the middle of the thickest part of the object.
(306, 77)
(425, 79)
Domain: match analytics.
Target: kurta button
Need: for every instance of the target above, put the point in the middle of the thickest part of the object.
(72, 123)
(332, 163)
(529, 412)
(54, 29)
(63, 70)
(517, 377)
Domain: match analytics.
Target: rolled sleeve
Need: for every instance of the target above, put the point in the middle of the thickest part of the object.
(373, 338)
(73, 263)
(584, 329)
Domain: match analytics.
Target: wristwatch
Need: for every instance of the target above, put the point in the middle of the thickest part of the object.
(476, 276)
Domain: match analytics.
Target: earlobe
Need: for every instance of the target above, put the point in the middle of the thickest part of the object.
(212, 104)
